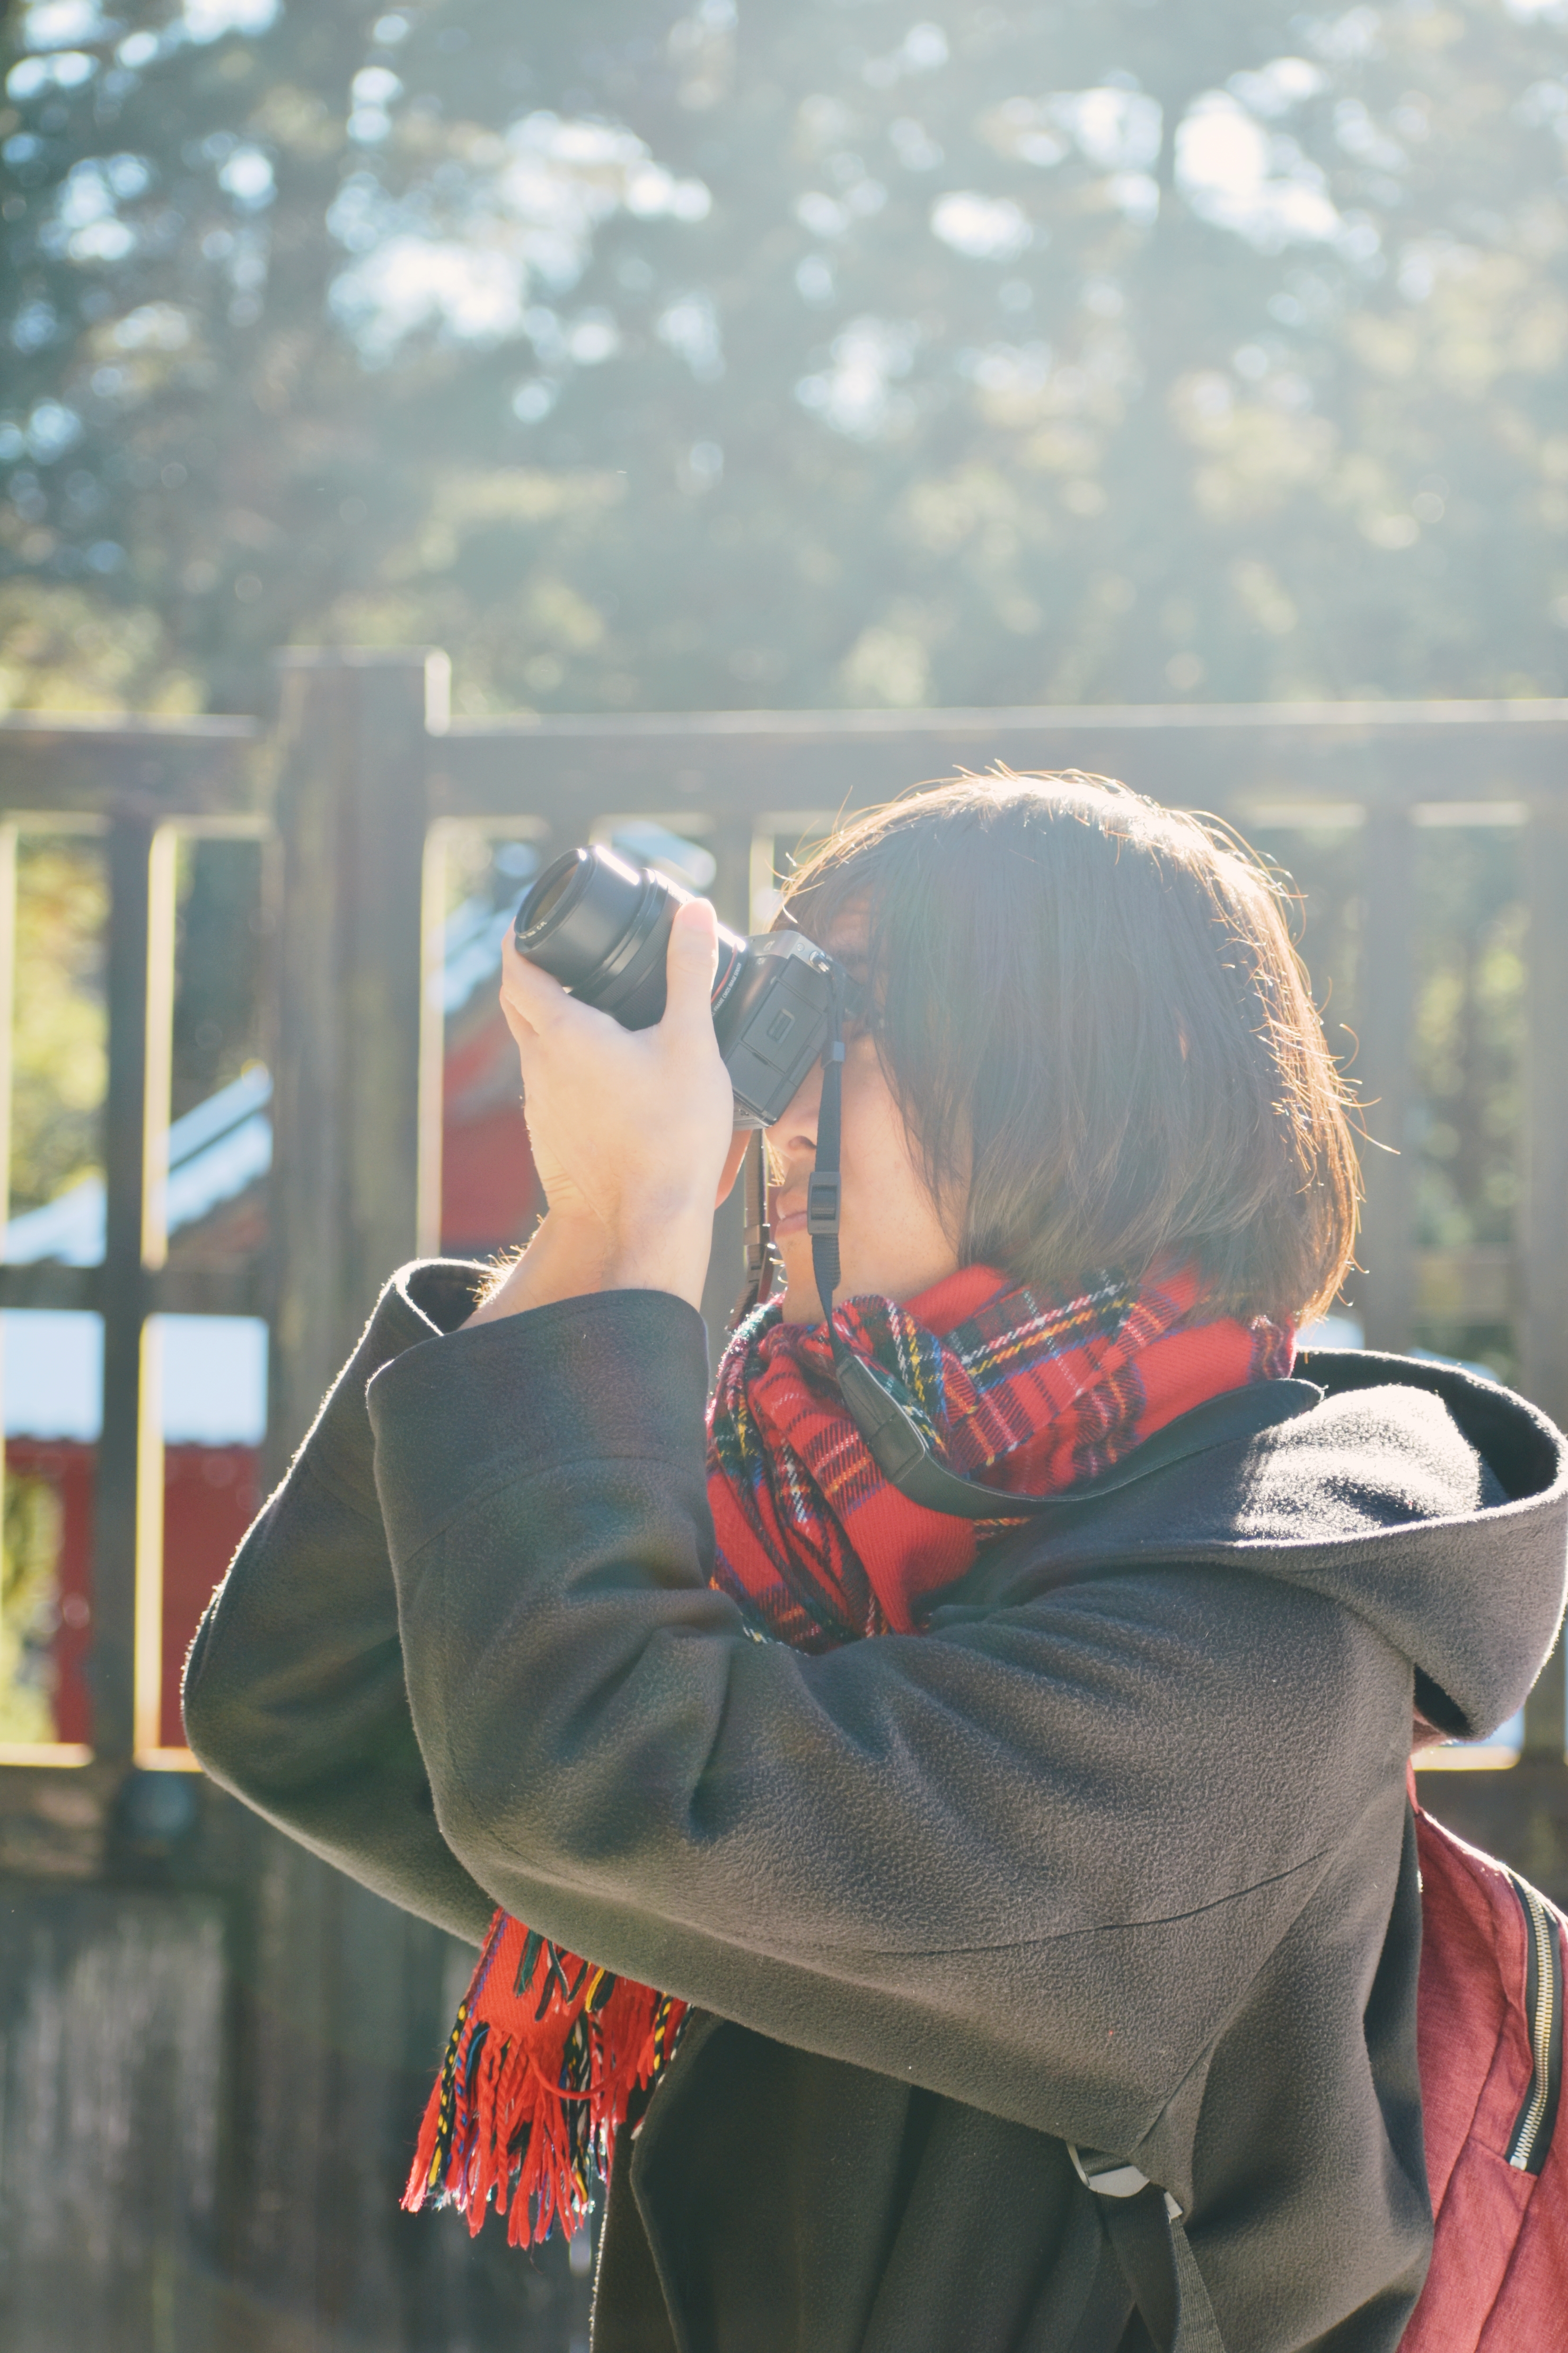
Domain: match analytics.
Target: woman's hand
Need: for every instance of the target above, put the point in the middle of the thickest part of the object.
(632, 1131)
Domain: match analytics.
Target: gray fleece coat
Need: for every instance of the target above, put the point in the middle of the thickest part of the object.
(1116, 1852)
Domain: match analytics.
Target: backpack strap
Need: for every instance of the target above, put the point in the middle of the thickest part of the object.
(1144, 2226)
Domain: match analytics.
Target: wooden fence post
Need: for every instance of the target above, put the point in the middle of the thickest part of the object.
(1386, 995)
(125, 1522)
(1543, 1212)
(352, 806)
(338, 2007)
(1544, 1236)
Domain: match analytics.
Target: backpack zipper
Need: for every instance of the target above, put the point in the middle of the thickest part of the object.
(1531, 2135)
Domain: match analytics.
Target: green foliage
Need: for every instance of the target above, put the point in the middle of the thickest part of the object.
(59, 1040)
(29, 1561)
(1088, 350)
(69, 648)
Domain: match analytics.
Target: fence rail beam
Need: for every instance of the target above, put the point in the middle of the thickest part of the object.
(1217, 757)
(59, 765)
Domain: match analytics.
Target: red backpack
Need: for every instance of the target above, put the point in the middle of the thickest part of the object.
(1489, 2030)
(1489, 2035)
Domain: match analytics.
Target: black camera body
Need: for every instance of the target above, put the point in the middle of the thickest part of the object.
(601, 925)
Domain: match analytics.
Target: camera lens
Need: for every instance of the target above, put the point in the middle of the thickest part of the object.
(602, 926)
(546, 904)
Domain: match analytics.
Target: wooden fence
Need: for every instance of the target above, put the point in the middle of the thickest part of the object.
(213, 2048)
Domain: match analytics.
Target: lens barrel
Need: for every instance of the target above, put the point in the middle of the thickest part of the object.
(602, 926)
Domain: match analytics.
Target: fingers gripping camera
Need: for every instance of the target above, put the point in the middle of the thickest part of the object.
(601, 925)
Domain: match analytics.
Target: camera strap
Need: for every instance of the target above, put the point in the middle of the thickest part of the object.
(760, 1263)
(902, 1450)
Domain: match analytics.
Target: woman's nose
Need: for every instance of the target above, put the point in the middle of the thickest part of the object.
(795, 1132)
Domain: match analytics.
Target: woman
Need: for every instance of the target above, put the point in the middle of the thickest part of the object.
(992, 1859)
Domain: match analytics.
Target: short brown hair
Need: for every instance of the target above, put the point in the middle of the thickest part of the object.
(1089, 1009)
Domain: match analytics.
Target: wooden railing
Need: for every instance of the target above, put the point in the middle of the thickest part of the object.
(357, 780)
(357, 783)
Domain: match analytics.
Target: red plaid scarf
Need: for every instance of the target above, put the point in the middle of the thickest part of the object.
(1028, 1391)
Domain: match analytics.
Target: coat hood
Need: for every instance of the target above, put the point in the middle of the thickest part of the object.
(1429, 1501)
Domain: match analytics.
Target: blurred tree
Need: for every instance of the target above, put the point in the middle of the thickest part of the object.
(810, 355)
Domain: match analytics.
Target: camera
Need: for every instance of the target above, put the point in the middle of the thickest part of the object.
(601, 925)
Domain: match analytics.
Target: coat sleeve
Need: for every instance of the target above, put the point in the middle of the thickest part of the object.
(1033, 1860)
(294, 1696)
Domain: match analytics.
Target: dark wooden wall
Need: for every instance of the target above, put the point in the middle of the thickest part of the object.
(213, 2051)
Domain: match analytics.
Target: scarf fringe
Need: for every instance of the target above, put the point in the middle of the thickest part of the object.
(541, 2067)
